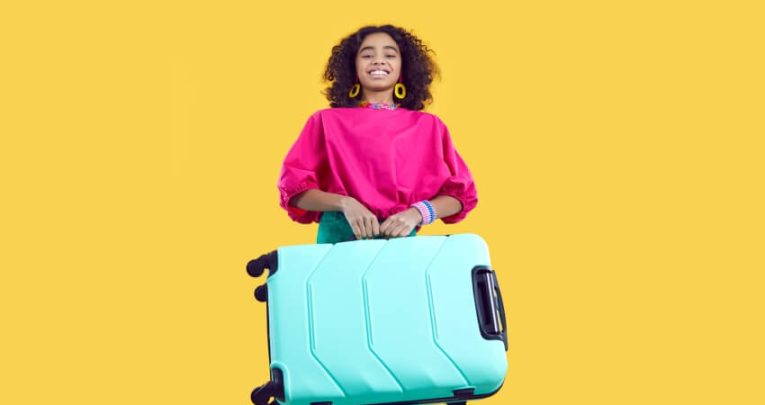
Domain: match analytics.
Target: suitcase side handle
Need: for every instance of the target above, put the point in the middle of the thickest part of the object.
(489, 306)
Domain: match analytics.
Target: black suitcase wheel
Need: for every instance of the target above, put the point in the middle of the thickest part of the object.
(261, 293)
(256, 267)
(262, 394)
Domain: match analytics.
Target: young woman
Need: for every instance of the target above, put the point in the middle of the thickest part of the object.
(374, 165)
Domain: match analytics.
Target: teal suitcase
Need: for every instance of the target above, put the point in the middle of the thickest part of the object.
(399, 321)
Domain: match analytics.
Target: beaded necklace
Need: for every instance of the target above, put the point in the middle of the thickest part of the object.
(378, 106)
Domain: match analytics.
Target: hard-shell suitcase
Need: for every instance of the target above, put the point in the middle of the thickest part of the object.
(398, 321)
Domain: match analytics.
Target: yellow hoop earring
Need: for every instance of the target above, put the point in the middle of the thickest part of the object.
(399, 90)
(354, 90)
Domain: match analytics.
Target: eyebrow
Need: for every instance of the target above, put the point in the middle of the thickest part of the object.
(372, 48)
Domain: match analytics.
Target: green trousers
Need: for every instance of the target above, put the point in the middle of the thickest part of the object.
(334, 228)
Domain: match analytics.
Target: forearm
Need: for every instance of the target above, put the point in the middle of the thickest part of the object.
(445, 205)
(317, 200)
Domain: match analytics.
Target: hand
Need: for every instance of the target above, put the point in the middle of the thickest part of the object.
(401, 224)
(363, 222)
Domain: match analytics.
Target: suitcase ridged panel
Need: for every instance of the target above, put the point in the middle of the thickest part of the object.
(340, 319)
(289, 326)
(401, 322)
(483, 361)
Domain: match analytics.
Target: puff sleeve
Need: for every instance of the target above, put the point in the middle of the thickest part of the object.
(460, 183)
(302, 168)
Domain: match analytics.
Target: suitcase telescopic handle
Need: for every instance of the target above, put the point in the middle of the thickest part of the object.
(489, 305)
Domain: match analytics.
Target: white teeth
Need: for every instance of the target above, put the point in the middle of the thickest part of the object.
(378, 73)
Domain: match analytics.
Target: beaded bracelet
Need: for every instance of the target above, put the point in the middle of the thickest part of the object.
(426, 210)
(432, 211)
(423, 212)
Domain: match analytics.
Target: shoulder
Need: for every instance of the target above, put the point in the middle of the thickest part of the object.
(425, 114)
(321, 113)
(429, 117)
(318, 117)
(434, 123)
(332, 111)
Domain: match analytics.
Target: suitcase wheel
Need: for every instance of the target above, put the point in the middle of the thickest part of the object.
(256, 267)
(261, 293)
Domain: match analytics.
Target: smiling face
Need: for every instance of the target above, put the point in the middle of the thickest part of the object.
(378, 62)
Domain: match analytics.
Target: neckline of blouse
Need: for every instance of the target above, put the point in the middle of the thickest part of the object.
(378, 106)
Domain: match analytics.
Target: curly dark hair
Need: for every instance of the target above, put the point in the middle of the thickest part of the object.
(417, 68)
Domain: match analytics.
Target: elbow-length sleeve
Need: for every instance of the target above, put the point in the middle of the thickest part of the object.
(460, 183)
(301, 169)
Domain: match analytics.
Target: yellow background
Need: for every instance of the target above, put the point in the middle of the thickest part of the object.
(616, 146)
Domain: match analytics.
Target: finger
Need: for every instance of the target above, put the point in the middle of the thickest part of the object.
(405, 231)
(375, 227)
(352, 224)
(384, 227)
(391, 227)
(356, 230)
(360, 225)
(367, 227)
(396, 230)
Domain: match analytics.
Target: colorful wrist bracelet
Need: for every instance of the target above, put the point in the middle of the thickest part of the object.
(426, 211)
(431, 210)
(423, 210)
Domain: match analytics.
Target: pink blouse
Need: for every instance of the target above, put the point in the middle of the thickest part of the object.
(386, 159)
